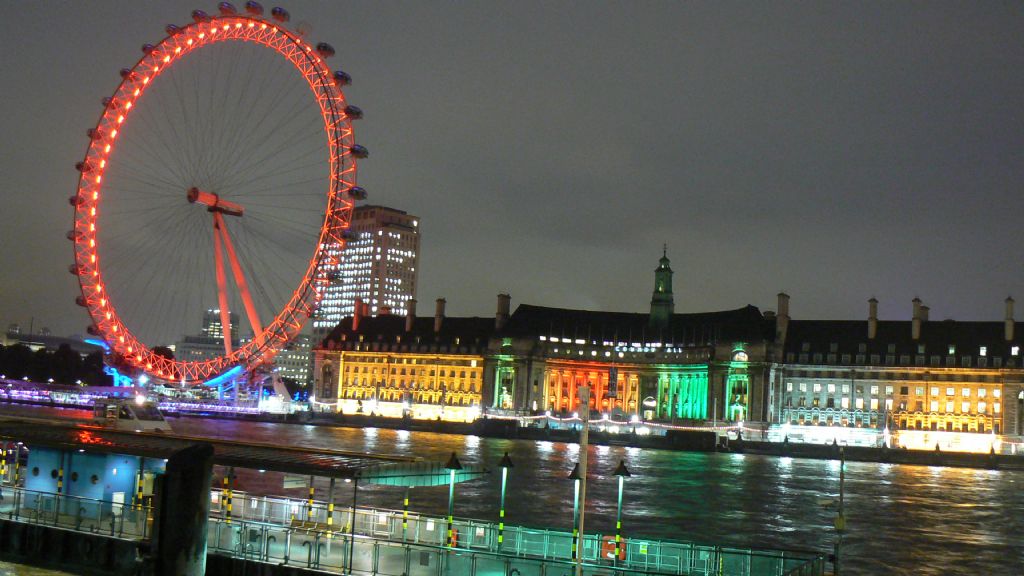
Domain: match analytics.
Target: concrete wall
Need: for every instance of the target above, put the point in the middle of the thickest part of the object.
(79, 553)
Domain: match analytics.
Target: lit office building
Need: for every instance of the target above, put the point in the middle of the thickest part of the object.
(209, 343)
(378, 266)
(918, 384)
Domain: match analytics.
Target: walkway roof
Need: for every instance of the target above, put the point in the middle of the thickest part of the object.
(400, 470)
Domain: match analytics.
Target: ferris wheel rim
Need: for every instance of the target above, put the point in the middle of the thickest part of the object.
(286, 324)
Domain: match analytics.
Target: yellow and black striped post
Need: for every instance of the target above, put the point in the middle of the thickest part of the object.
(405, 513)
(60, 476)
(3, 463)
(17, 464)
(505, 464)
(330, 506)
(227, 485)
(621, 473)
(309, 504)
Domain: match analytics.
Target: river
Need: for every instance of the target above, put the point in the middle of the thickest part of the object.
(901, 519)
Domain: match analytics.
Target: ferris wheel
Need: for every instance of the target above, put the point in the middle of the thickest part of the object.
(218, 182)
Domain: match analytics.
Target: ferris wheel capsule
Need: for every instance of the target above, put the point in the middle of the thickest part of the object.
(341, 78)
(280, 14)
(353, 112)
(109, 102)
(126, 72)
(94, 134)
(75, 201)
(227, 9)
(357, 193)
(200, 16)
(359, 151)
(148, 48)
(83, 167)
(172, 29)
(71, 233)
(325, 50)
(254, 8)
(92, 330)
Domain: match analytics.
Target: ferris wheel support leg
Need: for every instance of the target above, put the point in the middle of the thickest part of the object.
(222, 292)
(243, 287)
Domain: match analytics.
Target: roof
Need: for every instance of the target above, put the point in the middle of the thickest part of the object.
(302, 461)
(745, 324)
(849, 336)
(472, 332)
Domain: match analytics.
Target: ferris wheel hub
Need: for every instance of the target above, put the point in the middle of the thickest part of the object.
(213, 202)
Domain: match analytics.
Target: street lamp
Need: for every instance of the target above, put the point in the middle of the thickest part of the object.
(452, 465)
(575, 477)
(622, 473)
(505, 464)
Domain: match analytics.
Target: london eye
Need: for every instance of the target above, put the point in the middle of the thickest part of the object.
(220, 178)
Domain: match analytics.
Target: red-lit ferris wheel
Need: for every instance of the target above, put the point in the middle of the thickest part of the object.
(220, 178)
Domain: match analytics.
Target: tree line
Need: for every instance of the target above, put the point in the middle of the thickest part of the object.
(63, 365)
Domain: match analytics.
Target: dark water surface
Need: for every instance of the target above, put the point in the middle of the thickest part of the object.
(901, 519)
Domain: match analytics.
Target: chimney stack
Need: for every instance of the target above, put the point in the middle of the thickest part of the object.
(357, 313)
(439, 314)
(915, 323)
(1009, 322)
(410, 314)
(782, 318)
(501, 316)
(924, 313)
(872, 318)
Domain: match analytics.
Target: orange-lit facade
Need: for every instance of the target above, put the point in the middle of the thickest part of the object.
(381, 368)
(920, 384)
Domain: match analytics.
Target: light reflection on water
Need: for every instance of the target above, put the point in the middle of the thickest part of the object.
(901, 519)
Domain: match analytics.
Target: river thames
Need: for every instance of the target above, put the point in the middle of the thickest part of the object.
(901, 519)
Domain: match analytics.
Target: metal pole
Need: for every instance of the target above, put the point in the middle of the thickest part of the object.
(840, 522)
(575, 516)
(405, 514)
(501, 510)
(352, 528)
(309, 505)
(330, 505)
(451, 504)
(584, 440)
(618, 522)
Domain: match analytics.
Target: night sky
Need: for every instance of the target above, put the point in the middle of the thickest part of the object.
(836, 151)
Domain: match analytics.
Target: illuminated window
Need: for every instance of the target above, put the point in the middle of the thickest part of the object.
(888, 404)
(789, 386)
(935, 390)
(995, 407)
(888, 391)
(803, 387)
(859, 403)
(919, 391)
(817, 387)
(1015, 350)
(983, 351)
(982, 407)
(846, 388)
(949, 406)
(874, 390)
(950, 391)
(831, 388)
(934, 406)
(874, 403)
(952, 349)
(845, 403)
(996, 393)
(966, 392)
(965, 407)
(981, 392)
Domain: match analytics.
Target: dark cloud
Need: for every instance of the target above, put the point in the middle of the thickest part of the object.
(833, 150)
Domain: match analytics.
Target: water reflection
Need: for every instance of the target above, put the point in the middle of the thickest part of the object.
(901, 519)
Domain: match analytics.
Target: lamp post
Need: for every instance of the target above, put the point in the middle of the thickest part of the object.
(505, 464)
(452, 465)
(622, 473)
(575, 477)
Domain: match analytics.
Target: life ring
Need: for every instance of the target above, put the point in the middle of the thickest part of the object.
(608, 548)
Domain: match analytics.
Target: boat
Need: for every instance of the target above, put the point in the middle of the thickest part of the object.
(130, 415)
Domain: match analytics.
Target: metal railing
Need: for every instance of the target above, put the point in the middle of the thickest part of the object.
(105, 517)
(294, 524)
